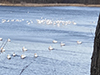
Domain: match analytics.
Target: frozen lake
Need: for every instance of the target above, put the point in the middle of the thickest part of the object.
(36, 27)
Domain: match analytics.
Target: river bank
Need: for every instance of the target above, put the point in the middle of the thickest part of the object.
(50, 4)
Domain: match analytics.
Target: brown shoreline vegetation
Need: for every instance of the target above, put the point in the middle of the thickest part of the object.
(48, 4)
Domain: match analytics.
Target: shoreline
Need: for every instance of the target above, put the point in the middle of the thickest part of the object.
(48, 4)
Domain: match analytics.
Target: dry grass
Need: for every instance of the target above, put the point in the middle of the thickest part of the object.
(53, 4)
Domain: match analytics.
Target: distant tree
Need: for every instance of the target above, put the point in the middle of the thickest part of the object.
(52, 1)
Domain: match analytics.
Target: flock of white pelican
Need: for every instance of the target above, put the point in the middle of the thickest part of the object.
(41, 21)
(25, 49)
(17, 20)
(14, 54)
(61, 44)
(56, 22)
(12, 20)
(54, 41)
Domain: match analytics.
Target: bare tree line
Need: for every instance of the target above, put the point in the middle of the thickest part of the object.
(52, 1)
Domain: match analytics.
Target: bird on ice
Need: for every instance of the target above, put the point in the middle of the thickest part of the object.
(2, 50)
(35, 55)
(1, 39)
(50, 48)
(8, 56)
(54, 41)
(23, 56)
(24, 49)
(8, 40)
(62, 44)
(79, 42)
(14, 54)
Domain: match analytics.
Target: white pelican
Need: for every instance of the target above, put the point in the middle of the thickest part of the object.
(17, 20)
(24, 49)
(22, 19)
(23, 56)
(2, 50)
(1, 39)
(8, 56)
(79, 42)
(62, 44)
(28, 23)
(50, 48)
(58, 24)
(74, 23)
(8, 40)
(14, 54)
(35, 55)
(3, 21)
(12, 20)
(54, 41)
(8, 20)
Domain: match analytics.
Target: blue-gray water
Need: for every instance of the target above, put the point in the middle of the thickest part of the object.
(20, 24)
